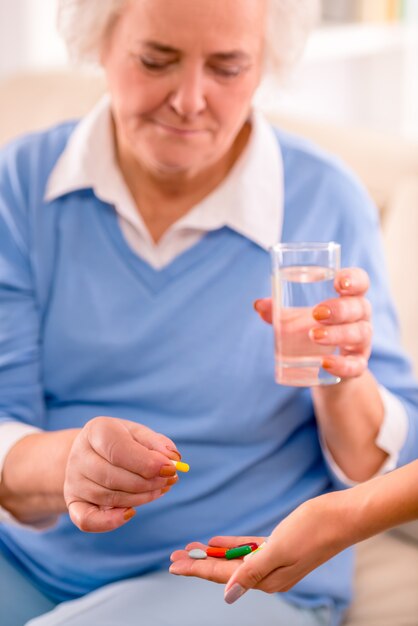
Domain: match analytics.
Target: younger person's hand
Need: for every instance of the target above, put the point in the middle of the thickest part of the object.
(217, 570)
(304, 540)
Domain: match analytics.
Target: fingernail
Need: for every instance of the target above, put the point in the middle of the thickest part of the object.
(321, 313)
(168, 470)
(165, 490)
(345, 283)
(129, 514)
(172, 481)
(327, 364)
(173, 569)
(176, 452)
(234, 593)
(256, 305)
(318, 333)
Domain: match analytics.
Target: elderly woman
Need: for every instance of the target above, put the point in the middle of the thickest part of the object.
(133, 244)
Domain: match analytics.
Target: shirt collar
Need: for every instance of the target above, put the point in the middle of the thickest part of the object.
(250, 199)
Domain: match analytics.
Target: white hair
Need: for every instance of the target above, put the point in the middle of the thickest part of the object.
(84, 24)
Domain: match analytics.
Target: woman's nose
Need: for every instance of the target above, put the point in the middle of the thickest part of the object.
(188, 98)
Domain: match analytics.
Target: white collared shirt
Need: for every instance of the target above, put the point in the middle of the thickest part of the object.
(255, 183)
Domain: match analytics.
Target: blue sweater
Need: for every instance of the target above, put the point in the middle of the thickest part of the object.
(87, 328)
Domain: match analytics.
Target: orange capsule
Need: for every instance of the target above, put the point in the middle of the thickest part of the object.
(216, 552)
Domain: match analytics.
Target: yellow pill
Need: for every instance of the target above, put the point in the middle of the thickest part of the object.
(180, 466)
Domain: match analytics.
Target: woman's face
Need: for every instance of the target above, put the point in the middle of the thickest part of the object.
(181, 75)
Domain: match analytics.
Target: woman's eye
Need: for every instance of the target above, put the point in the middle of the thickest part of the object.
(227, 72)
(154, 64)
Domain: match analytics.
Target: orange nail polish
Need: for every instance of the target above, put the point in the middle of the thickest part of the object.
(175, 452)
(327, 364)
(321, 313)
(165, 490)
(129, 514)
(167, 471)
(319, 333)
(256, 305)
(172, 481)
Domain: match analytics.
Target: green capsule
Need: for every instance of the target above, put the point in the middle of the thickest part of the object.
(235, 553)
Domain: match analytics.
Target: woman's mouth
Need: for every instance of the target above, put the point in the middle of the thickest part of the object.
(180, 131)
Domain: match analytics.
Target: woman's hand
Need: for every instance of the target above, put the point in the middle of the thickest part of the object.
(308, 537)
(115, 465)
(343, 322)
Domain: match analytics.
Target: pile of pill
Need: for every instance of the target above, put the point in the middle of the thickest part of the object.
(226, 553)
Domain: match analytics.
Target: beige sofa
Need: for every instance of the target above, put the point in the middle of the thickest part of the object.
(386, 582)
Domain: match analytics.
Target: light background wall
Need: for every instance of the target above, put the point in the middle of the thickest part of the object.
(361, 75)
(28, 38)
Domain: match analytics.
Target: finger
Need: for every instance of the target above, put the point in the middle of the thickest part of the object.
(99, 496)
(96, 469)
(194, 545)
(345, 366)
(281, 579)
(263, 306)
(351, 281)
(152, 440)
(112, 439)
(343, 310)
(91, 519)
(223, 541)
(178, 555)
(354, 335)
(251, 573)
(214, 570)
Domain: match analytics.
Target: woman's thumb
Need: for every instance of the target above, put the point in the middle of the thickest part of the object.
(247, 576)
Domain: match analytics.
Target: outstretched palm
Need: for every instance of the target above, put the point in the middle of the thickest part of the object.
(213, 569)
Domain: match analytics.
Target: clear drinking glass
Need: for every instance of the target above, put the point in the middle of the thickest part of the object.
(303, 276)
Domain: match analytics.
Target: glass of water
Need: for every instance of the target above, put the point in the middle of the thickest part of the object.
(303, 277)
